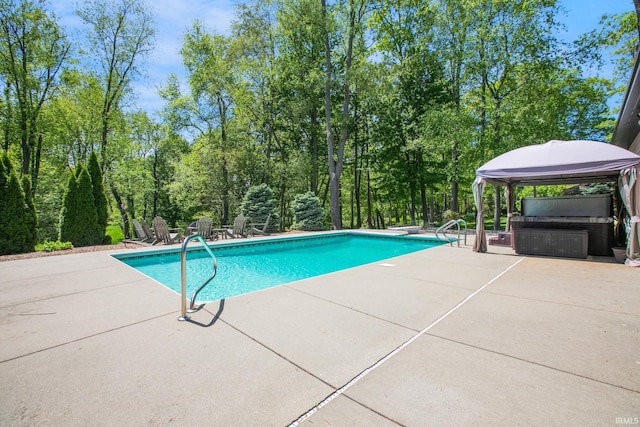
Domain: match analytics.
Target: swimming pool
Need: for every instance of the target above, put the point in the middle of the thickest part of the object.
(254, 265)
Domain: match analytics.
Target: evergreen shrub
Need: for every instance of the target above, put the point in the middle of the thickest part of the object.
(307, 212)
(99, 197)
(17, 213)
(259, 203)
(79, 218)
(448, 215)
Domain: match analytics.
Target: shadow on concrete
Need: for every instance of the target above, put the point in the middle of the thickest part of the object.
(213, 320)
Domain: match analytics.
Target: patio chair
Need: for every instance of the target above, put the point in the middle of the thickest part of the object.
(164, 233)
(239, 225)
(204, 227)
(260, 228)
(147, 230)
(142, 236)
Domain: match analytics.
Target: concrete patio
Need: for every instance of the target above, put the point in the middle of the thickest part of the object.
(443, 336)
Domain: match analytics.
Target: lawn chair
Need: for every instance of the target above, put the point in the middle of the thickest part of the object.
(142, 236)
(205, 228)
(164, 233)
(147, 230)
(260, 228)
(239, 225)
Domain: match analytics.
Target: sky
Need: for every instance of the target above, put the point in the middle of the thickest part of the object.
(174, 17)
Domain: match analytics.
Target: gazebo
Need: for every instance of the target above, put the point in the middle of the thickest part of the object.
(563, 162)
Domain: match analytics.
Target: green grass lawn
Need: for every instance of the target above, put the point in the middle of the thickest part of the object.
(116, 234)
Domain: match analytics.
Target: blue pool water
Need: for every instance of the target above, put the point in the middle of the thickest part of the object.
(251, 266)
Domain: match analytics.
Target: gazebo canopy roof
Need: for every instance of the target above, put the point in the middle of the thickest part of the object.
(558, 162)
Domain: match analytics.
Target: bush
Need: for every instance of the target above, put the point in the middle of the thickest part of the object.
(17, 213)
(78, 218)
(469, 217)
(448, 215)
(307, 212)
(259, 203)
(599, 188)
(50, 246)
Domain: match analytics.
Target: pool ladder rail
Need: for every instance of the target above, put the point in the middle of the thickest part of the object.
(449, 225)
(183, 276)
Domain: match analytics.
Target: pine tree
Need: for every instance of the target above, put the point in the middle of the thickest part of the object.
(259, 203)
(67, 213)
(17, 218)
(307, 212)
(99, 197)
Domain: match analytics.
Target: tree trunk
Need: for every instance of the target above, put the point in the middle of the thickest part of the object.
(222, 111)
(104, 140)
(283, 188)
(35, 171)
(454, 178)
(225, 192)
(336, 158)
(425, 209)
(357, 178)
(334, 201)
(123, 212)
(9, 116)
(369, 206)
(315, 162)
(334, 173)
(26, 147)
(156, 184)
(380, 222)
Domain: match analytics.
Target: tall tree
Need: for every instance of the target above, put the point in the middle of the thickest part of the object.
(208, 111)
(300, 64)
(33, 50)
(121, 34)
(614, 42)
(354, 15)
(454, 27)
(510, 41)
(416, 80)
(149, 167)
(260, 107)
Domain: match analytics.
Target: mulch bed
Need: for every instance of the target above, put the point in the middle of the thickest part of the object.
(118, 246)
(29, 255)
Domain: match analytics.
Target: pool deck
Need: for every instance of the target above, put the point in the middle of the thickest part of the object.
(443, 336)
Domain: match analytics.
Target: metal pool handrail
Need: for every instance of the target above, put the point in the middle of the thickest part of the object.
(449, 225)
(183, 276)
